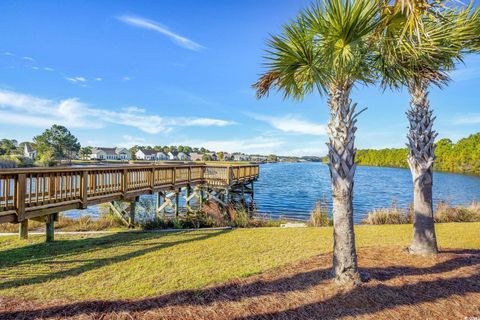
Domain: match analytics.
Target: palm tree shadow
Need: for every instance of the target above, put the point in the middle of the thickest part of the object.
(358, 301)
(464, 260)
(100, 244)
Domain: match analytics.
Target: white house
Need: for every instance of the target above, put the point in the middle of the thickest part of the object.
(172, 155)
(101, 153)
(145, 154)
(29, 152)
(241, 157)
(183, 156)
(162, 156)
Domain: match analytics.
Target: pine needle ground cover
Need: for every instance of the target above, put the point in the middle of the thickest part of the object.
(242, 273)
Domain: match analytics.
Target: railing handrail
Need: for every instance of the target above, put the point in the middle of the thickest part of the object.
(119, 167)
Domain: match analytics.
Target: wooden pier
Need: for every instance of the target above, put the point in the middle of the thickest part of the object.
(41, 193)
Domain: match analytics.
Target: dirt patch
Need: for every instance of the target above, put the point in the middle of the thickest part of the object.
(401, 286)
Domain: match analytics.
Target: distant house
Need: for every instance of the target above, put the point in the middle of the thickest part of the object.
(172, 155)
(100, 153)
(258, 158)
(28, 151)
(212, 155)
(227, 156)
(145, 154)
(240, 157)
(183, 156)
(162, 156)
(195, 156)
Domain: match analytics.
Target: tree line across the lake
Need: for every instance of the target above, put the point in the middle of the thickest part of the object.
(460, 157)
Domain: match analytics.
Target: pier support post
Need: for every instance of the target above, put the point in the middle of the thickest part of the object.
(177, 201)
(159, 203)
(187, 196)
(50, 228)
(202, 196)
(131, 218)
(23, 231)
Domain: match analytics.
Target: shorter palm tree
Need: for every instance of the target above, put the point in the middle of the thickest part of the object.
(418, 61)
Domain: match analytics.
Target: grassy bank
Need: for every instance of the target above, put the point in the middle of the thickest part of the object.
(132, 265)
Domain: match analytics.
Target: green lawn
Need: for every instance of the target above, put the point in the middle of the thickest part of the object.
(135, 265)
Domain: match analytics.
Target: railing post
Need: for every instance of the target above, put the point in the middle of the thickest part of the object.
(174, 176)
(124, 183)
(152, 179)
(20, 195)
(229, 176)
(84, 189)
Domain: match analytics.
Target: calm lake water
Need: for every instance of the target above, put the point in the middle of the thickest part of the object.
(291, 189)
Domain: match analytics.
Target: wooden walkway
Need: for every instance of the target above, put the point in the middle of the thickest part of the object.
(29, 193)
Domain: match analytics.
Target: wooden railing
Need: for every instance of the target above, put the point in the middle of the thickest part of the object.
(31, 192)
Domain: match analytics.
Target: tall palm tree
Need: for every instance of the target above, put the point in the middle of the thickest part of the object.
(417, 61)
(328, 48)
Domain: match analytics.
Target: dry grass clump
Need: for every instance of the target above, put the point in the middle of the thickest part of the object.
(444, 213)
(87, 223)
(447, 213)
(13, 227)
(83, 223)
(213, 214)
(319, 215)
(401, 286)
(386, 216)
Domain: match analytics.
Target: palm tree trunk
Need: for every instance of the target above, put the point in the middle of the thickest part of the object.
(421, 157)
(341, 155)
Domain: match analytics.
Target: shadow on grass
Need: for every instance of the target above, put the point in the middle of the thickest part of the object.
(41, 253)
(359, 301)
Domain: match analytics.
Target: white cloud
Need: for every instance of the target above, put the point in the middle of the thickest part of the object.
(292, 124)
(473, 118)
(28, 110)
(126, 78)
(48, 69)
(152, 25)
(129, 141)
(28, 58)
(98, 79)
(78, 80)
(6, 53)
(465, 74)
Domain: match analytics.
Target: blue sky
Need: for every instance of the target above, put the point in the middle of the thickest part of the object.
(179, 72)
